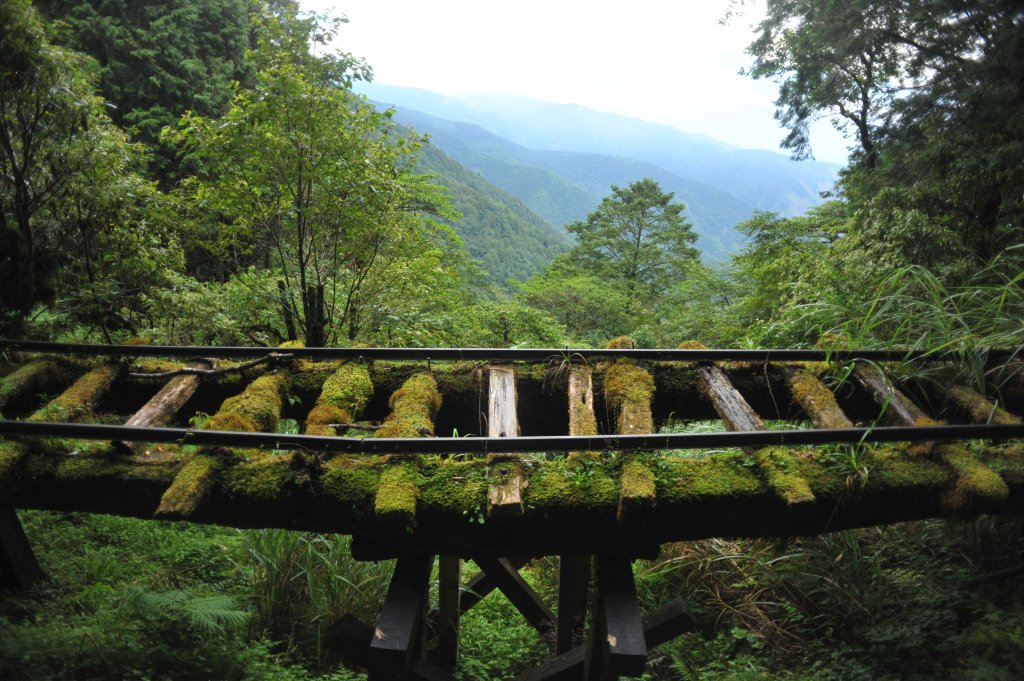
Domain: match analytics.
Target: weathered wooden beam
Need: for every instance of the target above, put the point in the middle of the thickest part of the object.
(255, 409)
(814, 397)
(19, 569)
(28, 380)
(480, 584)
(628, 391)
(616, 644)
(168, 401)
(696, 498)
(505, 491)
(413, 409)
(396, 638)
(519, 593)
(79, 400)
(898, 407)
(582, 420)
(342, 399)
(776, 463)
(976, 487)
(449, 578)
(728, 402)
(978, 407)
(660, 626)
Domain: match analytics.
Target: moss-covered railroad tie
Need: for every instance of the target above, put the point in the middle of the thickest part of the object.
(342, 399)
(414, 407)
(255, 409)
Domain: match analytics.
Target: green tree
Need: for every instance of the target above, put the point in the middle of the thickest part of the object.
(158, 59)
(308, 179)
(637, 238)
(71, 205)
(932, 94)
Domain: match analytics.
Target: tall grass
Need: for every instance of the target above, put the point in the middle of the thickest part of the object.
(301, 582)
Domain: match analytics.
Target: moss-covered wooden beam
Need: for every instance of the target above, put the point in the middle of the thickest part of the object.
(566, 509)
(628, 392)
(976, 486)
(78, 401)
(38, 376)
(776, 464)
(979, 408)
(414, 407)
(342, 399)
(582, 420)
(255, 409)
(814, 397)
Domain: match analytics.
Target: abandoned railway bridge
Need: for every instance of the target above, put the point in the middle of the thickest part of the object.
(499, 456)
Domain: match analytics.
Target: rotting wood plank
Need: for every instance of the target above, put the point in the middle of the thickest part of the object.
(980, 408)
(660, 626)
(727, 401)
(449, 571)
(505, 488)
(396, 638)
(582, 420)
(898, 407)
(519, 593)
(257, 407)
(79, 400)
(775, 463)
(19, 569)
(976, 487)
(33, 378)
(167, 402)
(629, 390)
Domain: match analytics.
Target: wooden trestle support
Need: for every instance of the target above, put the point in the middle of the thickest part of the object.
(498, 511)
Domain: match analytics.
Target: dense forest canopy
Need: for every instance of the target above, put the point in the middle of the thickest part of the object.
(192, 171)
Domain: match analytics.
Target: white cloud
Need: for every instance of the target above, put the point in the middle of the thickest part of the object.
(667, 62)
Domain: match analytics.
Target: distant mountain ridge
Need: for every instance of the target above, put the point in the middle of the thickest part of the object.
(563, 186)
(532, 144)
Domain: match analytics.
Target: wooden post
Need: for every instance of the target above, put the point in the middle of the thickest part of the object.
(573, 585)
(617, 644)
(396, 639)
(19, 569)
(448, 593)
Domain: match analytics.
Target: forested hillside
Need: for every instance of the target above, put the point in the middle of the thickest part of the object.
(563, 186)
(193, 172)
(764, 180)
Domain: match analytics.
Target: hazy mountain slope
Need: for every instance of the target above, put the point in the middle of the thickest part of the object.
(762, 179)
(509, 239)
(563, 187)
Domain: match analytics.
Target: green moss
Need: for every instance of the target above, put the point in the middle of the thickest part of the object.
(637, 492)
(342, 399)
(352, 482)
(255, 409)
(195, 479)
(976, 486)
(817, 400)
(451, 486)
(25, 380)
(395, 502)
(694, 479)
(11, 454)
(628, 391)
(980, 409)
(77, 402)
(264, 477)
(413, 408)
(581, 485)
(783, 475)
(152, 365)
(621, 343)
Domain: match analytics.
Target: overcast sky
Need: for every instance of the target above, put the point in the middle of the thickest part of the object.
(659, 60)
